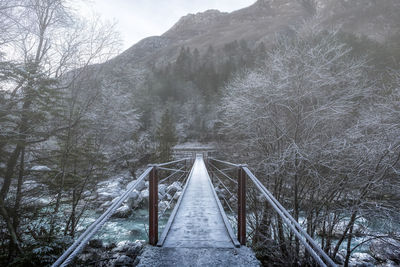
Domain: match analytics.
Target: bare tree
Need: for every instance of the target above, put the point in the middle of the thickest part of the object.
(318, 130)
(43, 43)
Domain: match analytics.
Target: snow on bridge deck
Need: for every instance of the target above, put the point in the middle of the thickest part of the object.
(199, 219)
(198, 233)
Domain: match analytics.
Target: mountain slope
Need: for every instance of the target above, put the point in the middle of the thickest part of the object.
(261, 21)
(180, 71)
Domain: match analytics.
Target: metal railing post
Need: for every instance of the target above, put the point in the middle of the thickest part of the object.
(153, 207)
(241, 205)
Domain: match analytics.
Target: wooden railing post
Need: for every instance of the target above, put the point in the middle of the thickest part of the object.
(153, 207)
(241, 205)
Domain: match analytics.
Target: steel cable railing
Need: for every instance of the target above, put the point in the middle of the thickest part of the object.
(292, 223)
(68, 256)
(226, 188)
(176, 192)
(225, 162)
(310, 245)
(172, 174)
(223, 173)
(171, 162)
(223, 179)
(169, 169)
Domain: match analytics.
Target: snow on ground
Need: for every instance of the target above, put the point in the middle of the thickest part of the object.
(40, 168)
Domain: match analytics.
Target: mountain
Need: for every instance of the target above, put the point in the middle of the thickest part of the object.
(185, 69)
(264, 19)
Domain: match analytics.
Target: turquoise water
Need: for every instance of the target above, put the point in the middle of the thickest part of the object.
(371, 226)
(133, 228)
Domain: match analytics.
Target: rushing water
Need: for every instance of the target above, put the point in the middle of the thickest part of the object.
(370, 226)
(135, 227)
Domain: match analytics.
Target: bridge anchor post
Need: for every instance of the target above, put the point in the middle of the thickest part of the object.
(153, 207)
(241, 205)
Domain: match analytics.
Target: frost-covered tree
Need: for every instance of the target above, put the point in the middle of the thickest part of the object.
(304, 119)
(43, 43)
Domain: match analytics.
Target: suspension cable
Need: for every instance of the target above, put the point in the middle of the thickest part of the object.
(229, 206)
(169, 169)
(177, 180)
(225, 162)
(231, 179)
(171, 162)
(172, 198)
(226, 187)
(78, 245)
(177, 171)
(292, 223)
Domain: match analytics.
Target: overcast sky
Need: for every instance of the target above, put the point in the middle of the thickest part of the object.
(138, 19)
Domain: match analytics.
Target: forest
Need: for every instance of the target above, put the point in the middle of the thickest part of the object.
(315, 113)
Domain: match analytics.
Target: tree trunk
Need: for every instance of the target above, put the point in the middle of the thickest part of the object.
(349, 225)
(7, 218)
(348, 253)
(15, 219)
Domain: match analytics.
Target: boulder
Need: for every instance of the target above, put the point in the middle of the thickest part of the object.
(123, 212)
(138, 203)
(387, 249)
(363, 257)
(113, 182)
(86, 194)
(175, 186)
(40, 168)
(134, 194)
(125, 246)
(361, 260)
(30, 185)
(145, 194)
(106, 195)
(163, 205)
(40, 202)
(110, 246)
(134, 250)
(135, 199)
(162, 197)
(106, 204)
(162, 189)
(115, 199)
(109, 189)
(85, 257)
(339, 258)
(353, 263)
(123, 260)
(390, 263)
(139, 187)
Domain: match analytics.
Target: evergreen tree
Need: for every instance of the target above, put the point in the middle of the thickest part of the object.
(166, 137)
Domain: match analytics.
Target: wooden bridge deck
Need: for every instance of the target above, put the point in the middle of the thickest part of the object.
(198, 220)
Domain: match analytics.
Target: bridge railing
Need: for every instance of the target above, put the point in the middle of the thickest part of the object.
(222, 172)
(174, 176)
(224, 179)
(153, 172)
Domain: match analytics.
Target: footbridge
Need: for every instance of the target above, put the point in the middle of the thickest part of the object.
(209, 224)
